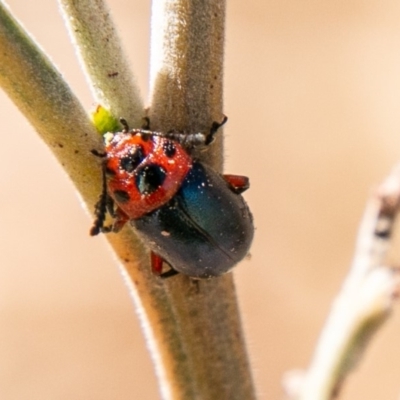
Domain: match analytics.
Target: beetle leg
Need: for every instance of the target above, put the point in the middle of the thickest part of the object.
(169, 273)
(124, 124)
(237, 183)
(146, 124)
(156, 263)
(120, 219)
(157, 266)
(106, 204)
(110, 206)
(213, 130)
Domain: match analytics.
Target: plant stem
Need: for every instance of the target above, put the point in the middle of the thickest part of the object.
(192, 327)
(99, 48)
(186, 95)
(186, 74)
(37, 88)
(365, 301)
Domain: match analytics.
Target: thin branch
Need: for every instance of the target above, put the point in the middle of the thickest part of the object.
(186, 74)
(99, 48)
(177, 338)
(186, 94)
(365, 301)
(192, 327)
(39, 91)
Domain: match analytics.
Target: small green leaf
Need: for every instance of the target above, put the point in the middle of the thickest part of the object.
(104, 121)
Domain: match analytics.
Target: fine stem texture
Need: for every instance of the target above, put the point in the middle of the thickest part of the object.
(365, 301)
(99, 48)
(39, 91)
(186, 95)
(186, 71)
(192, 327)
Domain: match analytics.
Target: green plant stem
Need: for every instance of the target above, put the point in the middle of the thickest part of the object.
(192, 327)
(39, 91)
(186, 87)
(186, 72)
(99, 48)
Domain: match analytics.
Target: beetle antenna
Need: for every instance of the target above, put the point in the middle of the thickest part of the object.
(213, 130)
(124, 124)
(146, 123)
(100, 210)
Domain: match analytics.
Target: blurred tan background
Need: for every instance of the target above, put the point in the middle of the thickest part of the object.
(313, 95)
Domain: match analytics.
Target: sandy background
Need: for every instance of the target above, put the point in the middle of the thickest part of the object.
(314, 87)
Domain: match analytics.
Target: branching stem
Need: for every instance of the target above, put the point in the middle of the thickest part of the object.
(192, 327)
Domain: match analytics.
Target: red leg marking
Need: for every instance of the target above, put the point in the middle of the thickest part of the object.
(237, 183)
(120, 220)
(157, 266)
(156, 263)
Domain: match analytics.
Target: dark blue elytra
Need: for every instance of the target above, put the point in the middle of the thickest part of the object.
(204, 230)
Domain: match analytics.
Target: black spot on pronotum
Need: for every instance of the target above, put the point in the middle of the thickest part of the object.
(149, 178)
(121, 196)
(169, 148)
(130, 162)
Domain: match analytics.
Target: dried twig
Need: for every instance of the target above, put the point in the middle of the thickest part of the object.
(364, 303)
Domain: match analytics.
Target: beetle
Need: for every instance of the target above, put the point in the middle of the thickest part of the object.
(189, 215)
